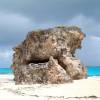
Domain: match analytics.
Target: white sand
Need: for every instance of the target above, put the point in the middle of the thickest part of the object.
(82, 89)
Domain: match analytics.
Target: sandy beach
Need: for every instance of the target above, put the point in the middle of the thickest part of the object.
(85, 89)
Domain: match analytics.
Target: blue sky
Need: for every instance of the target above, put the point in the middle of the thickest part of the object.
(17, 17)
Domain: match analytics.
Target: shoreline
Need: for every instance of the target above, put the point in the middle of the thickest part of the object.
(84, 89)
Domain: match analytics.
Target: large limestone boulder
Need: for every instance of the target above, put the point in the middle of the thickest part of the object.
(32, 58)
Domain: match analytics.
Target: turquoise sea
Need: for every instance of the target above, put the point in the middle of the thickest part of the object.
(91, 71)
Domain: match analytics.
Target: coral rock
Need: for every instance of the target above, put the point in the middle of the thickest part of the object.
(47, 56)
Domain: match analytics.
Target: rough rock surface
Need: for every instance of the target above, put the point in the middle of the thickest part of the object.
(47, 56)
(49, 72)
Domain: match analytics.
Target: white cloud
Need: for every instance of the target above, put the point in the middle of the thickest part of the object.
(15, 19)
(89, 25)
(5, 54)
(95, 38)
(13, 27)
(5, 57)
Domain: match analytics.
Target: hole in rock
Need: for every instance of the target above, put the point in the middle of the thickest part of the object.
(38, 61)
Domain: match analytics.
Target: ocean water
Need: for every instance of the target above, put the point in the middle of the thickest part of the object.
(91, 71)
(6, 71)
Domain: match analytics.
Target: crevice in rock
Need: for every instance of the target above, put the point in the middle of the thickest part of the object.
(37, 61)
(61, 64)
